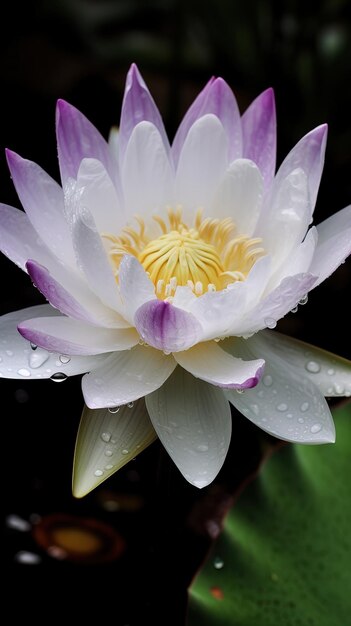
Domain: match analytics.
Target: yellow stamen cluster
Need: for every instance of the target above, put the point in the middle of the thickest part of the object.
(206, 257)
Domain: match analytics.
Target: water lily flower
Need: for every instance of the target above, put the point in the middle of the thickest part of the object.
(165, 268)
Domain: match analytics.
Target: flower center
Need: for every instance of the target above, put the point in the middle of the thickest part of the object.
(206, 257)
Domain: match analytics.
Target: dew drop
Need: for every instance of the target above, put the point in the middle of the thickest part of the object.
(218, 563)
(125, 451)
(33, 346)
(106, 437)
(23, 372)
(282, 407)
(270, 322)
(304, 407)
(295, 309)
(108, 452)
(267, 380)
(331, 372)
(113, 409)
(109, 466)
(339, 389)
(239, 390)
(38, 358)
(289, 415)
(130, 405)
(58, 377)
(202, 447)
(301, 420)
(64, 358)
(313, 367)
(255, 408)
(98, 472)
(316, 428)
(303, 300)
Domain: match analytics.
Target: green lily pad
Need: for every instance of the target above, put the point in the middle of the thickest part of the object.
(284, 556)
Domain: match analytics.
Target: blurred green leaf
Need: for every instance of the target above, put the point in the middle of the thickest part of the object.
(284, 554)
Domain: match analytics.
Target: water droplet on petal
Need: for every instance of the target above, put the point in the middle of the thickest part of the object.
(125, 451)
(113, 409)
(23, 372)
(270, 322)
(301, 420)
(267, 380)
(331, 372)
(58, 377)
(313, 367)
(38, 358)
(255, 408)
(218, 563)
(304, 300)
(106, 437)
(98, 472)
(282, 407)
(304, 407)
(316, 428)
(64, 358)
(109, 466)
(339, 389)
(295, 309)
(239, 390)
(130, 405)
(33, 346)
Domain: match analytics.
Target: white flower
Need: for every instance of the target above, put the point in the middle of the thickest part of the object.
(163, 267)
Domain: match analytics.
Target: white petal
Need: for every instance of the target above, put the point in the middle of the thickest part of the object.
(219, 312)
(285, 403)
(69, 336)
(18, 360)
(239, 195)
(274, 306)
(134, 285)
(147, 176)
(334, 244)
(126, 376)
(202, 163)
(98, 194)
(299, 261)
(212, 364)
(93, 260)
(285, 217)
(106, 441)
(329, 372)
(193, 422)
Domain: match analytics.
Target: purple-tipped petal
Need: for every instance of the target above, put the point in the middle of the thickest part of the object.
(166, 327)
(77, 139)
(216, 98)
(138, 106)
(212, 364)
(73, 337)
(83, 305)
(308, 154)
(19, 240)
(259, 126)
(42, 199)
(18, 360)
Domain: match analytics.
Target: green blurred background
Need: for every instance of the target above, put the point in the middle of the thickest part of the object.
(80, 50)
